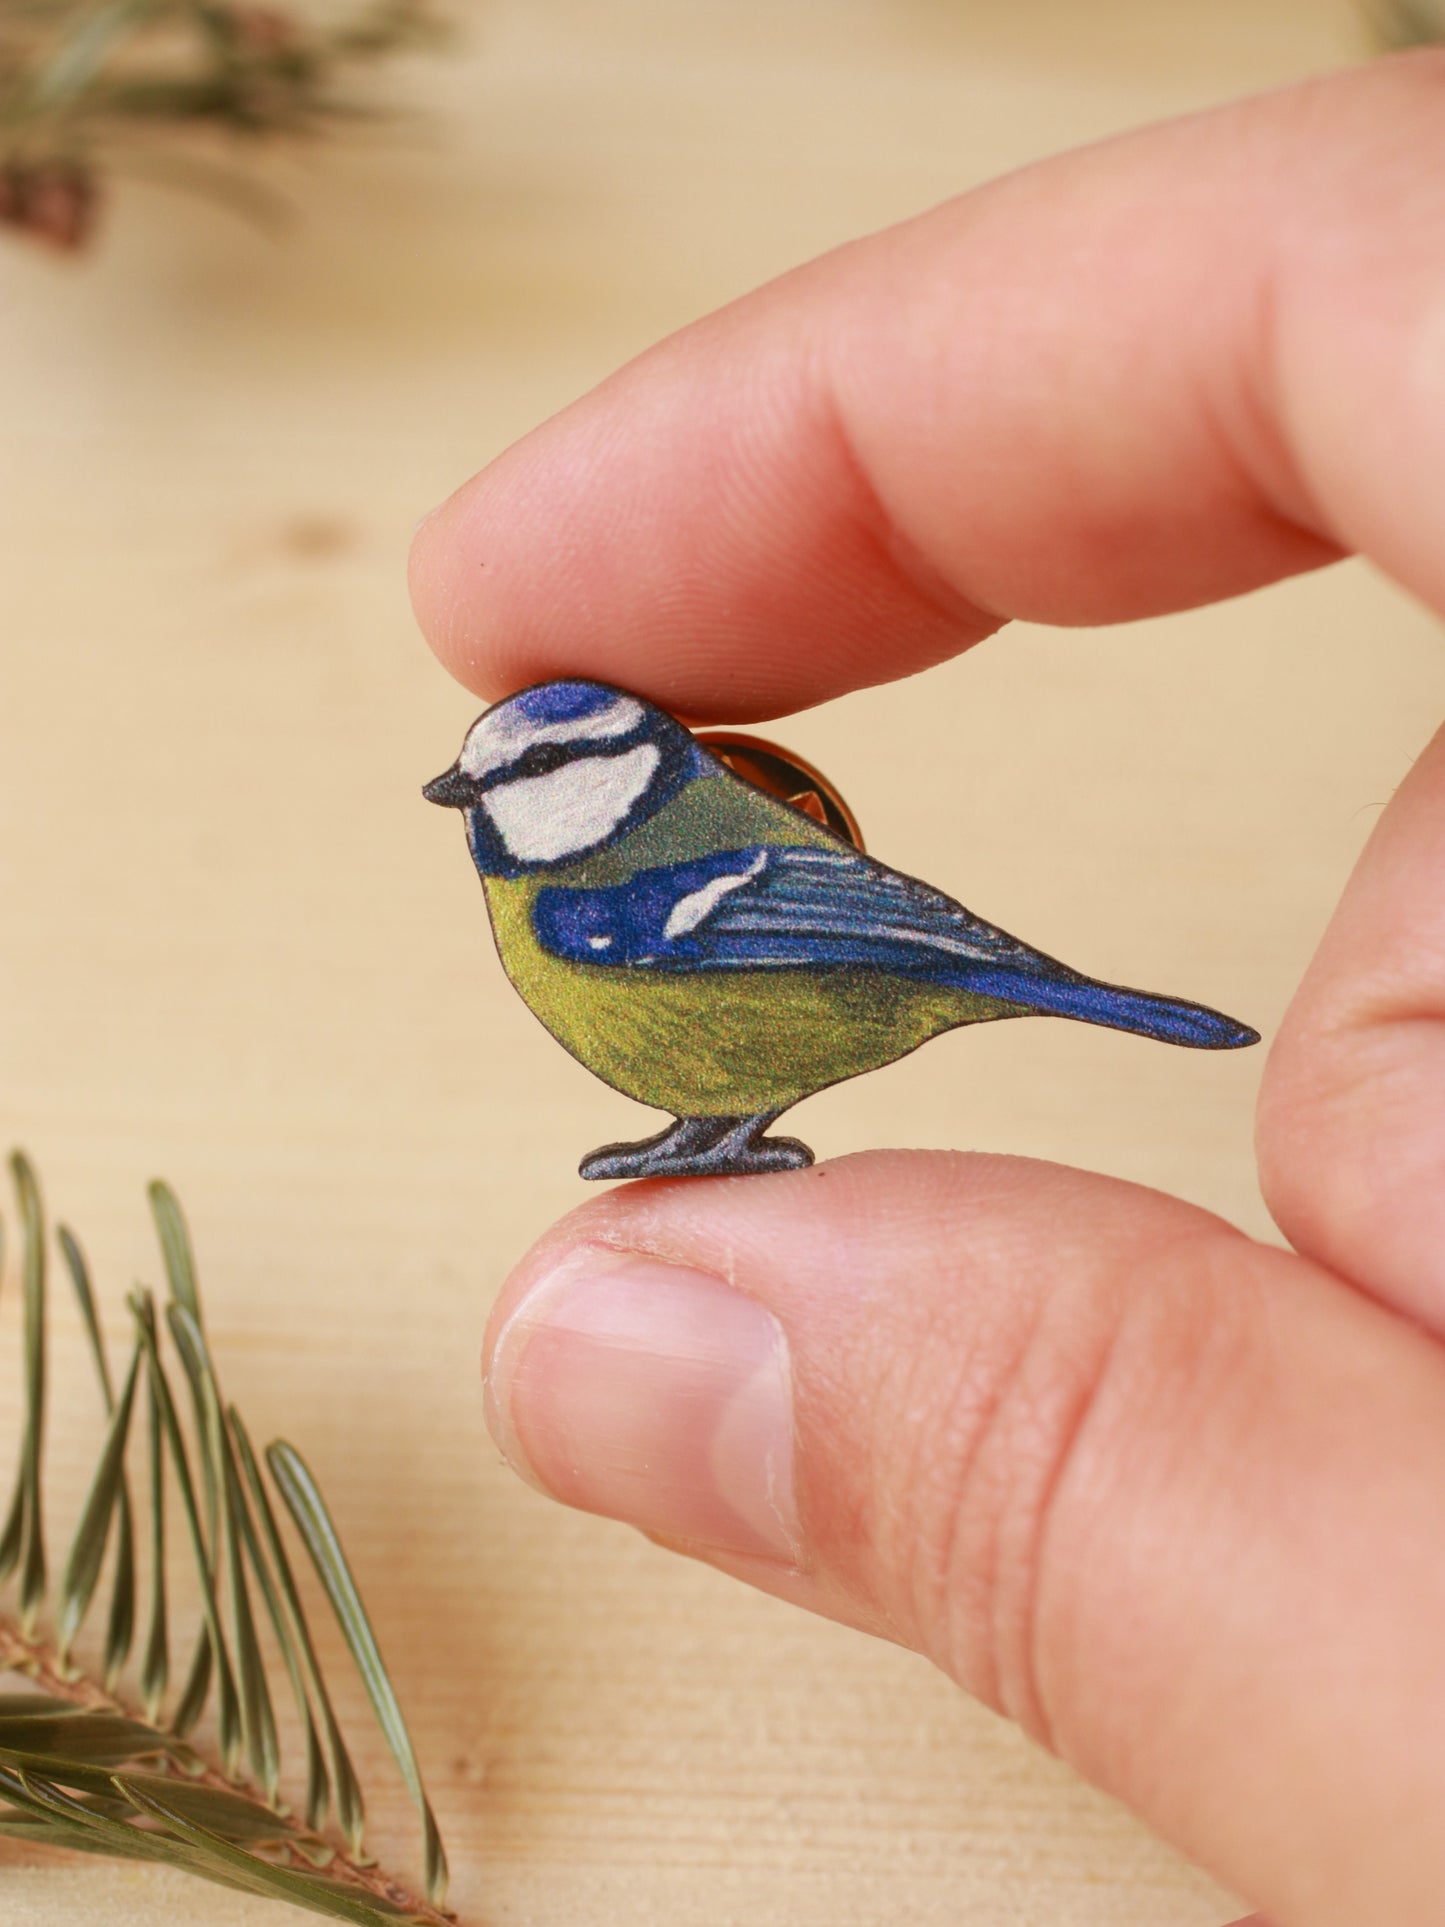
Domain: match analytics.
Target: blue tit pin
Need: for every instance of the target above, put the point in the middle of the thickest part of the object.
(714, 951)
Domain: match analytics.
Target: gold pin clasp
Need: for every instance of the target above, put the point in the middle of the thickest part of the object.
(782, 774)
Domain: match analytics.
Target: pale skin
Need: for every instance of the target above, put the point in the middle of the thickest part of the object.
(1130, 380)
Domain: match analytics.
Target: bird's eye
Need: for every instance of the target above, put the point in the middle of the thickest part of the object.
(539, 759)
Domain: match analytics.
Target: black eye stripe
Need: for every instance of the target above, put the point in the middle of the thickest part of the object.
(542, 758)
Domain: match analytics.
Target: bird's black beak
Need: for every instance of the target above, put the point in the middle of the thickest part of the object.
(452, 789)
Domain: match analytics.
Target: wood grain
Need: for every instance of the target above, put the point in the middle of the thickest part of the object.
(239, 950)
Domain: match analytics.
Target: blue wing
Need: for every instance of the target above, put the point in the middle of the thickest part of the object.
(816, 909)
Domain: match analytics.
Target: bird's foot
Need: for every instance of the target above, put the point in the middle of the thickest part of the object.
(701, 1147)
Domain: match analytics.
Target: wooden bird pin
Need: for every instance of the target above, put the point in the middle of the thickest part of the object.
(715, 952)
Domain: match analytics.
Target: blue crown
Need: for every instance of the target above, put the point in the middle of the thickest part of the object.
(564, 702)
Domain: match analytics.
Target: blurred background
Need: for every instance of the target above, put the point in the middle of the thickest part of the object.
(249, 333)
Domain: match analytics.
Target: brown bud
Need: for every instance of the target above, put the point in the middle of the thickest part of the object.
(54, 201)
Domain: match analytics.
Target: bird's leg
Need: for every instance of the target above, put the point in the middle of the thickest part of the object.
(744, 1147)
(701, 1147)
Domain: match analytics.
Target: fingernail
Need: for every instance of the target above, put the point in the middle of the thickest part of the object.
(653, 1394)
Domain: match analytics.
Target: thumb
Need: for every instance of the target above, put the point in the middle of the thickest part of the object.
(1168, 1498)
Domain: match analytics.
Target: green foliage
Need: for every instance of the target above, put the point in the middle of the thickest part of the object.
(81, 1771)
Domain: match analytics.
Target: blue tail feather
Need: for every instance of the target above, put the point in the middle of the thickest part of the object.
(1168, 1019)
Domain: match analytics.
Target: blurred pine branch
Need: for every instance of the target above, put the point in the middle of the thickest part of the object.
(89, 87)
(1398, 24)
(79, 1768)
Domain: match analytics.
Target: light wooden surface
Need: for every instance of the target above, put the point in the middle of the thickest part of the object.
(238, 948)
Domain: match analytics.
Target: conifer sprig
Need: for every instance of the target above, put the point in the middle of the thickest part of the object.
(91, 88)
(81, 1769)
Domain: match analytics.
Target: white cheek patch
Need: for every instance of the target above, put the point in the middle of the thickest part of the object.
(571, 809)
(688, 912)
(505, 735)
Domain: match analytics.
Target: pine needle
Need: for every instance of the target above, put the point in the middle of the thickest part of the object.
(22, 1542)
(155, 1657)
(82, 1568)
(228, 1714)
(345, 1788)
(308, 1509)
(258, 1728)
(120, 1626)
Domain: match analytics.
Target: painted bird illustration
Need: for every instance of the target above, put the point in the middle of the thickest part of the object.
(714, 952)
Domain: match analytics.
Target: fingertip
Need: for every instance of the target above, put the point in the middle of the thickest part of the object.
(652, 1393)
(696, 530)
(448, 595)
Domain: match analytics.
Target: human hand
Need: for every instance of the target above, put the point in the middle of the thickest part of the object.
(1172, 1499)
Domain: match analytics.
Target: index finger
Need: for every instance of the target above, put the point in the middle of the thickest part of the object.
(1146, 375)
